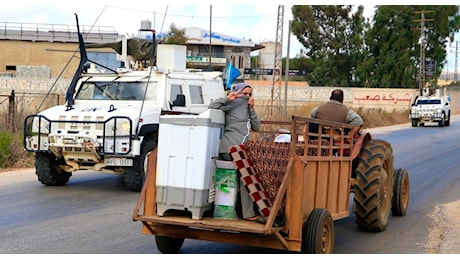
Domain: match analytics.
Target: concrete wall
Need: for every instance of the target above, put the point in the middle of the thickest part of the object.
(298, 93)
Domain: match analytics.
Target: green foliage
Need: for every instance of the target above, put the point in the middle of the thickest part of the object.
(12, 154)
(345, 49)
(394, 43)
(333, 38)
(5, 139)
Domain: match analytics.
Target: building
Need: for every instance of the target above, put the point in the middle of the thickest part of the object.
(50, 50)
(224, 49)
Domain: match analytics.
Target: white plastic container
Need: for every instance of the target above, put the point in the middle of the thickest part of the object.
(187, 148)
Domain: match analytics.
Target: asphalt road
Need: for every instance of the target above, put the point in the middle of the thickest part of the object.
(92, 214)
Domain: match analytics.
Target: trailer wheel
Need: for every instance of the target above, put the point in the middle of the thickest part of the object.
(400, 200)
(318, 233)
(48, 171)
(169, 245)
(374, 186)
(134, 176)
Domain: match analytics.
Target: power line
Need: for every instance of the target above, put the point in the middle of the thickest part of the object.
(456, 52)
(193, 16)
(422, 29)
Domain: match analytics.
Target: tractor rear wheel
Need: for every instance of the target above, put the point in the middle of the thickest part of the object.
(374, 186)
(400, 200)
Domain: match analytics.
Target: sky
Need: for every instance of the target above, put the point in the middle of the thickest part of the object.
(251, 19)
(241, 19)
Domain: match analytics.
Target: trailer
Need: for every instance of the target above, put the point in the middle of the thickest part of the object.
(308, 182)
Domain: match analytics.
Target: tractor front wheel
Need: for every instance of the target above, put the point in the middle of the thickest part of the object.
(400, 200)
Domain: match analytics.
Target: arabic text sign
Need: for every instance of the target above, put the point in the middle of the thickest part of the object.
(382, 97)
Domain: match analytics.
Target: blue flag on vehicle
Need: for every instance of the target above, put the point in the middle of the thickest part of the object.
(231, 74)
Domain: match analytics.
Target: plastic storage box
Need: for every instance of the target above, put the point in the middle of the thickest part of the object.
(188, 146)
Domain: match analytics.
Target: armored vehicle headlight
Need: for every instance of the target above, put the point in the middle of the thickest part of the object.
(125, 126)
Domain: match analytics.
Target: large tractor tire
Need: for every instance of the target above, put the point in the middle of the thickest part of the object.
(48, 171)
(374, 186)
(134, 176)
(401, 186)
(169, 245)
(318, 233)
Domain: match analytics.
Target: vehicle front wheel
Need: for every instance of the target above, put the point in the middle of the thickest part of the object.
(414, 122)
(442, 123)
(135, 175)
(447, 122)
(48, 171)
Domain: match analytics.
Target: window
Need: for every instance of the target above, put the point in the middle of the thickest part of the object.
(109, 90)
(429, 102)
(107, 59)
(219, 51)
(196, 94)
(175, 90)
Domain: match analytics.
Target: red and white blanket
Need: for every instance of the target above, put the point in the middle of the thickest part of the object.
(252, 181)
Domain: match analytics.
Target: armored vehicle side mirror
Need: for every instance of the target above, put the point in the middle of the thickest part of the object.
(179, 101)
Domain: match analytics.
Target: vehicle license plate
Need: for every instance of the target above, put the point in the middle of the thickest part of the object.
(118, 162)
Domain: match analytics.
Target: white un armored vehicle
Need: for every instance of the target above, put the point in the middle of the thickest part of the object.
(430, 109)
(110, 120)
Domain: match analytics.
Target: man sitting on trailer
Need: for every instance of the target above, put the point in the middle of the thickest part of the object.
(334, 110)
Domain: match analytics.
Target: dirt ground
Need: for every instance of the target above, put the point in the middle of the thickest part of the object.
(445, 228)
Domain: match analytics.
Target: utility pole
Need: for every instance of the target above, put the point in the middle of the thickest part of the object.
(456, 61)
(286, 73)
(278, 63)
(210, 38)
(422, 47)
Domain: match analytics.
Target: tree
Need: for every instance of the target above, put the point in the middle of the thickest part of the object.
(347, 50)
(333, 38)
(175, 36)
(394, 43)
